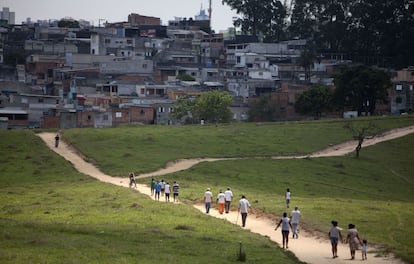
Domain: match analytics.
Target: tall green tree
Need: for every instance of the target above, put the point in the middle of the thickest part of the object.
(366, 31)
(323, 21)
(383, 31)
(307, 58)
(184, 109)
(360, 87)
(214, 106)
(262, 109)
(315, 101)
(263, 18)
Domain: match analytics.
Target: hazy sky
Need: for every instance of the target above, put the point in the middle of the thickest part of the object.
(118, 10)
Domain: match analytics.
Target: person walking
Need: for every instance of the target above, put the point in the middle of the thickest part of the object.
(287, 197)
(335, 236)
(152, 186)
(132, 180)
(157, 190)
(208, 197)
(176, 188)
(162, 187)
(295, 215)
(364, 249)
(353, 239)
(285, 222)
(57, 138)
(167, 191)
(243, 209)
(221, 199)
(228, 195)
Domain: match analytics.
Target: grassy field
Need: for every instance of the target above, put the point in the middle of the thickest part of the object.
(374, 192)
(146, 148)
(52, 214)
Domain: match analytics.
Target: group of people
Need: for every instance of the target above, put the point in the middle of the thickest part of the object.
(223, 200)
(288, 224)
(352, 239)
(164, 189)
(335, 235)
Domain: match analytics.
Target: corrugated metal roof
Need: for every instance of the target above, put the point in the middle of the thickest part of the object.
(9, 111)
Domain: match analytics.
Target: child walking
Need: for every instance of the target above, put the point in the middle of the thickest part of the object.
(364, 249)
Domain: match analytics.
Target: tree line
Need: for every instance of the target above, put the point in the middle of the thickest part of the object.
(372, 32)
(357, 88)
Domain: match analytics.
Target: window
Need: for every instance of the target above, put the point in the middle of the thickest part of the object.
(160, 109)
(107, 41)
(40, 100)
(105, 117)
(118, 114)
(142, 112)
(398, 87)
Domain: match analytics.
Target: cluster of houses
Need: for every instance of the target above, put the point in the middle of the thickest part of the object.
(129, 72)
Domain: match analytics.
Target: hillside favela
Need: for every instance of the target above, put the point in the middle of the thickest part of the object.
(71, 74)
(154, 132)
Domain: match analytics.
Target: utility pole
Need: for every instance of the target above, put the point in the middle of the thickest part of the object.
(209, 12)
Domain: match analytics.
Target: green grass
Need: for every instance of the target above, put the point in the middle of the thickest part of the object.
(52, 214)
(146, 148)
(374, 192)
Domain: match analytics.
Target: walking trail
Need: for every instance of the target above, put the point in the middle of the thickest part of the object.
(309, 247)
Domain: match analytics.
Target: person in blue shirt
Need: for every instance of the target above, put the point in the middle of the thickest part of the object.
(157, 190)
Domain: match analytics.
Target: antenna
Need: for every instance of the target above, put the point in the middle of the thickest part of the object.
(209, 12)
(99, 21)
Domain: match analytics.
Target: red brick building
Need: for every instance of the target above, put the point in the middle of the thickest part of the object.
(137, 19)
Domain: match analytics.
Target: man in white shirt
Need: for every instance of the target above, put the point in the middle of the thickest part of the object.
(228, 194)
(167, 191)
(208, 196)
(295, 215)
(244, 206)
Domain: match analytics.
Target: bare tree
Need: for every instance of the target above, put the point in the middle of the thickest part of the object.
(360, 133)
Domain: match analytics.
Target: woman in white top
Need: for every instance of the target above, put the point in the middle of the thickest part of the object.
(334, 236)
(285, 221)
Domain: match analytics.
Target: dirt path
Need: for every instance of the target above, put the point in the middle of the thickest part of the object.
(308, 247)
